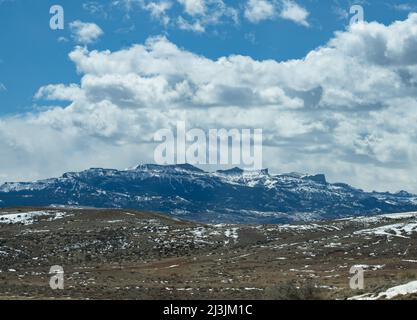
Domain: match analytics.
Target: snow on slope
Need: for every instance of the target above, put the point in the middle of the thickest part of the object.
(405, 289)
(228, 196)
(401, 230)
(28, 218)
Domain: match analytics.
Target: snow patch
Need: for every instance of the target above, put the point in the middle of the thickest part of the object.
(28, 218)
(408, 288)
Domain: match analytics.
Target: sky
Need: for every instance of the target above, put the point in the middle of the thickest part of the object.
(331, 97)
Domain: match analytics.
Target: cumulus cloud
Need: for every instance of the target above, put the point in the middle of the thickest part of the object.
(348, 108)
(194, 7)
(59, 92)
(294, 12)
(259, 10)
(85, 33)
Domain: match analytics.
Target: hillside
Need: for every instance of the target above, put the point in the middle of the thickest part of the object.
(129, 254)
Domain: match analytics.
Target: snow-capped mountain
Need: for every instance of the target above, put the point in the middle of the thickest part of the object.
(227, 196)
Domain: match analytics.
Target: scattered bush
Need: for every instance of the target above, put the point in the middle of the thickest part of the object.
(293, 290)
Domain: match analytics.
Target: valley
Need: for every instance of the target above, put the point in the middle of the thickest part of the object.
(129, 254)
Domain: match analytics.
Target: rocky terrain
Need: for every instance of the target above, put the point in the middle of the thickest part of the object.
(127, 254)
(228, 196)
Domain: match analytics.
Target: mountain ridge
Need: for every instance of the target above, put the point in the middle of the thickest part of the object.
(223, 196)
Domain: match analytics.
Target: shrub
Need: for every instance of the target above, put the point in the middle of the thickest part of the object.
(293, 290)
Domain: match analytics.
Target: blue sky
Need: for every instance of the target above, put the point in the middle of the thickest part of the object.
(330, 97)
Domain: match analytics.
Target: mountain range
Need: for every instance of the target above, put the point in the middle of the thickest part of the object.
(224, 196)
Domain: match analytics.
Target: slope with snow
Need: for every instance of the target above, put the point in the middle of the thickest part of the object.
(227, 196)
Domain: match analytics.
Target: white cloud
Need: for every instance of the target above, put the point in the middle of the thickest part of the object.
(95, 8)
(158, 10)
(183, 24)
(85, 33)
(347, 109)
(294, 12)
(59, 92)
(201, 14)
(193, 15)
(2, 87)
(258, 10)
(194, 7)
(405, 7)
(62, 40)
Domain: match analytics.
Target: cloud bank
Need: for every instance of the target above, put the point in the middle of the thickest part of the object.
(347, 109)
